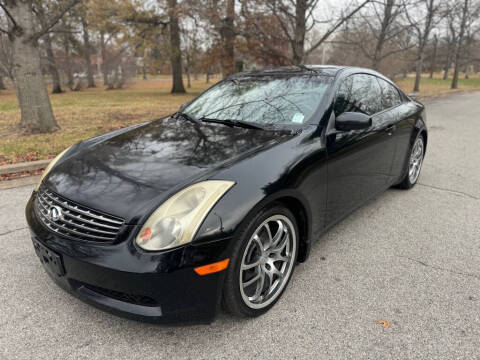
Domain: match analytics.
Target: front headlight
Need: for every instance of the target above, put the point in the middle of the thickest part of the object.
(177, 220)
(50, 166)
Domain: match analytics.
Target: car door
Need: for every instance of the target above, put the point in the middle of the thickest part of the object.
(359, 161)
(398, 113)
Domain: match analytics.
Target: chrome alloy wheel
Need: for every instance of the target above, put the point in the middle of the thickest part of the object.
(268, 261)
(416, 159)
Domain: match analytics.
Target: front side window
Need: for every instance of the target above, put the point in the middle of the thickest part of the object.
(390, 95)
(358, 93)
(262, 99)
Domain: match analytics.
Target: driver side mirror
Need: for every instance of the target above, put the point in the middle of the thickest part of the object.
(353, 121)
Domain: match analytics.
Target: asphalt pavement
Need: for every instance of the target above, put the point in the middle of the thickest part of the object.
(398, 279)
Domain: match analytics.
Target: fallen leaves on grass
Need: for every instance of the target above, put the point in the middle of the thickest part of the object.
(21, 174)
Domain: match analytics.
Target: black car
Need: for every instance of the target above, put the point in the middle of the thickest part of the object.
(167, 220)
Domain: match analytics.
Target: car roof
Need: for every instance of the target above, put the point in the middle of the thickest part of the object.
(324, 70)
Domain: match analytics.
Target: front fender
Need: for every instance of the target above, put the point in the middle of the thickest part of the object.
(228, 216)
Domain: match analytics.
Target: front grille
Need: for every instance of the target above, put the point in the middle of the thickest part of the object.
(76, 222)
(125, 297)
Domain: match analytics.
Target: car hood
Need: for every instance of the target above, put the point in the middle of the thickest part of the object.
(130, 172)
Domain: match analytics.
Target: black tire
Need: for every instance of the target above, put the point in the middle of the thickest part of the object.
(406, 182)
(232, 299)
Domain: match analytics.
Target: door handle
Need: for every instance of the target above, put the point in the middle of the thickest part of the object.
(391, 129)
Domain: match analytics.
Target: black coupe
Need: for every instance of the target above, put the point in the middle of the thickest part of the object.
(167, 220)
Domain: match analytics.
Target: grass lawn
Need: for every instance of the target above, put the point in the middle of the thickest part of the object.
(88, 113)
(438, 86)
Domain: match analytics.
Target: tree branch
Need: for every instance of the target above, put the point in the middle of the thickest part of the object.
(335, 27)
(50, 23)
(15, 25)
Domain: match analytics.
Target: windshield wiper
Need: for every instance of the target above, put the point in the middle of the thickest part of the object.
(186, 117)
(231, 123)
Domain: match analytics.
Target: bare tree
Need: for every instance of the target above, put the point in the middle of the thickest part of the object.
(51, 63)
(296, 18)
(67, 39)
(171, 20)
(228, 34)
(23, 32)
(384, 26)
(175, 52)
(422, 24)
(433, 62)
(379, 32)
(191, 52)
(451, 40)
(459, 44)
(389, 16)
(87, 52)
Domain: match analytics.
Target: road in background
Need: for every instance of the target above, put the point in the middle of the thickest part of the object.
(409, 261)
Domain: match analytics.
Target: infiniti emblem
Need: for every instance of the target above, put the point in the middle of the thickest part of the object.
(55, 213)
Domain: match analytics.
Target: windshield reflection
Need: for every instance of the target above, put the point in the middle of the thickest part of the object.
(264, 100)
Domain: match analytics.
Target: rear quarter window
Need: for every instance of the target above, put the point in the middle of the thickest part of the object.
(390, 95)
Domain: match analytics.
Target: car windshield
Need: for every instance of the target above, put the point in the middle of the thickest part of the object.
(264, 100)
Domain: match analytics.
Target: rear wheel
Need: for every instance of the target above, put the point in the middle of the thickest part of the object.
(414, 164)
(262, 262)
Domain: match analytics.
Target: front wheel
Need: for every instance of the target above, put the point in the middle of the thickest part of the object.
(262, 262)
(414, 164)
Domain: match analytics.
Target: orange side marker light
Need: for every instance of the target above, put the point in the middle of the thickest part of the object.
(212, 268)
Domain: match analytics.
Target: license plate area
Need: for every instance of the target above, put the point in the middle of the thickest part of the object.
(50, 260)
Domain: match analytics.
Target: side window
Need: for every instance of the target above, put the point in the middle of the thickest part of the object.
(343, 100)
(390, 95)
(358, 93)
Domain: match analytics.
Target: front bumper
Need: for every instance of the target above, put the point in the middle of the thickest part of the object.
(122, 279)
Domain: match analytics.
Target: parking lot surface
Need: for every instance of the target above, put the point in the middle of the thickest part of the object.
(399, 278)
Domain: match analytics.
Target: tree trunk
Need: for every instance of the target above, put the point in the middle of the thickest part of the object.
(418, 73)
(144, 71)
(466, 51)
(52, 66)
(458, 48)
(423, 38)
(113, 82)
(103, 53)
(433, 63)
(144, 64)
(298, 46)
(175, 54)
(228, 63)
(68, 62)
(466, 72)
(87, 55)
(2, 84)
(189, 84)
(36, 110)
(386, 21)
(450, 49)
(446, 67)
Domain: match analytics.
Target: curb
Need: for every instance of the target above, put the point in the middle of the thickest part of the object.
(20, 182)
(25, 166)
